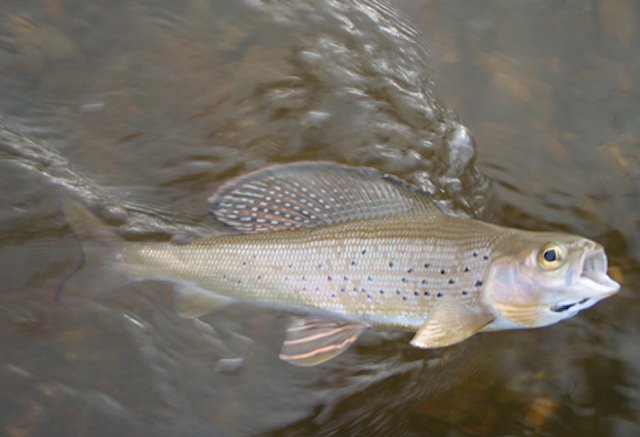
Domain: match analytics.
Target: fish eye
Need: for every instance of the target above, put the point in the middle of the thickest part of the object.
(550, 256)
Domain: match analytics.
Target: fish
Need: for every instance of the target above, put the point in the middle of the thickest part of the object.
(346, 248)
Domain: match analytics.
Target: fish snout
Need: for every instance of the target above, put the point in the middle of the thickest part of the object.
(594, 276)
(592, 285)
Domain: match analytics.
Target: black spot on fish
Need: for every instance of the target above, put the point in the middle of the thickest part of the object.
(426, 293)
(443, 271)
(304, 288)
(329, 278)
(439, 295)
(479, 283)
(353, 263)
(364, 251)
(475, 254)
(404, 279)
(391, 264)
(364, 291)
(404, 297)
(465, 292)
(369, 278)
(409, 270)
(290, 265)
(342, 289)
(397, 291)
(244, 263)
(381, 291)
(317, 288)
(259, 277)
(346, 278)
(424, 282)
(452, 281)
(466, 269)
(304, 278)
(485, 257)
(426, 266)
(239, 281)
(319, 266)
(355, 288)
(333, 295)
(286, 278)
(368, 296)
(416, 293)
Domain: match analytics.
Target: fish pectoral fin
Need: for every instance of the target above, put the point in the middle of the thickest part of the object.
(311, 341)
(193, 302)
(312, 194)
(451, 322)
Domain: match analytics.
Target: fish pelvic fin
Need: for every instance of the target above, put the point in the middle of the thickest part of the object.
(450, 322)
(313, 194)
(312, 341)
(99, 249)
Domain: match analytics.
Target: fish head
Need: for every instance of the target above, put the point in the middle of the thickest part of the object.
(540, 278)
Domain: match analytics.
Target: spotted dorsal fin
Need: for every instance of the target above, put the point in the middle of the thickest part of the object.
(310, 194)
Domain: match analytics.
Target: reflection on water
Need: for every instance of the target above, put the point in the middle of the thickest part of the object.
(143, 108)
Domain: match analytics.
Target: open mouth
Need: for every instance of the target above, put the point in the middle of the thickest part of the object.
(594, 275)
(593, 284)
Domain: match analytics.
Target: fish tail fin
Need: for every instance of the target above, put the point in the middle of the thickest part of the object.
(86, 226)
(99, 246)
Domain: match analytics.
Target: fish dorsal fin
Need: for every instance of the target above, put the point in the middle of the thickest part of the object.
(310, 194)
(312, 341)
(450, 322)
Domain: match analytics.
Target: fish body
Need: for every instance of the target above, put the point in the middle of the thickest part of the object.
(353, 248)
(386, 272)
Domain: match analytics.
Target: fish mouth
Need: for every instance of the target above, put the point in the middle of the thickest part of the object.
(594, 276)
(592, 285)
(561, 308)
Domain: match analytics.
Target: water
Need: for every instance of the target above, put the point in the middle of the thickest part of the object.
(143, 108)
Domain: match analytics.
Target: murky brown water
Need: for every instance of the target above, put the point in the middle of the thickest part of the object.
(144, 108)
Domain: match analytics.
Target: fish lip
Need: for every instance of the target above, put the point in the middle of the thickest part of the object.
(593, 284)
(593, 277)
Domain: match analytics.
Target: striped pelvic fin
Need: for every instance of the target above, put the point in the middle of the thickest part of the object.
(310, 194)
(310, 342)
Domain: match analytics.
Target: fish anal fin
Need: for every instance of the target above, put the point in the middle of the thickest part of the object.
(312, 341)
(311, 194)
(450, 322)
(193, 302)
